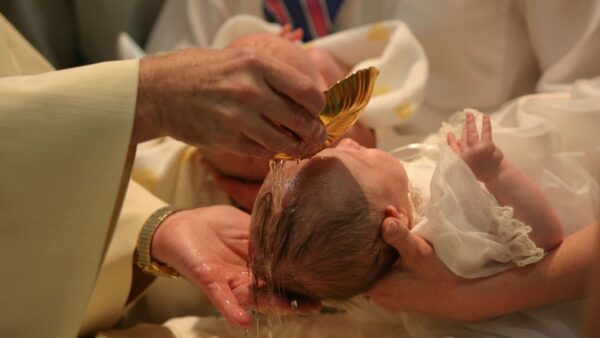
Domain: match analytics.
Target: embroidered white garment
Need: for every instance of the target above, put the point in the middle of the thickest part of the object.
(471, 233)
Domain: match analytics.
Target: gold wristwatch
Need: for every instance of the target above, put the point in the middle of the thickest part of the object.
(144, 253)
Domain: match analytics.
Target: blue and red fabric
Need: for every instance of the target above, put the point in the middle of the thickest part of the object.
(315, 17)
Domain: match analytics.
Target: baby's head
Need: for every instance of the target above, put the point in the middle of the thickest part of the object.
(325, 242)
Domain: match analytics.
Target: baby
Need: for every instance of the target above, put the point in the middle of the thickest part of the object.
(324, 240)
(320, 66)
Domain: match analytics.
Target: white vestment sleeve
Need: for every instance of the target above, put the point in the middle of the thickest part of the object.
(115, 278)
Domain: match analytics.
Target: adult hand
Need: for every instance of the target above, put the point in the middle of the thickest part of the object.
(209, 247)
(481, 155)
(330, 68)
(419, 282)
(238, 100)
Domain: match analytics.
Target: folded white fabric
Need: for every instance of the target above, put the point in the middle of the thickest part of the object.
(387, 45)
(471, 233)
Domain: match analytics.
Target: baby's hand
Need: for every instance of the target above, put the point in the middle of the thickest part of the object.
(481, 155)
(292, 35)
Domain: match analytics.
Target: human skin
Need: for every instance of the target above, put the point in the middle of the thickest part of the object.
(241, 176)
(420, 272)
(593, 310)
(380, 176)
(509, 185)
(236, 100)
(211, 250)
(421, 283)
(227, 101)
(383, 179)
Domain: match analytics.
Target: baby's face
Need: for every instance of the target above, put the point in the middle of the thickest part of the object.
(381, 177)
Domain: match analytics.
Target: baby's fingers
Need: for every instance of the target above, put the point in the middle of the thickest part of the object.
(285, 29)
(486, 129)
(291, 35)
(472, 135)
(453, 143)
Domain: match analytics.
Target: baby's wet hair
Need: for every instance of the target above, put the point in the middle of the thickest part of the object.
(325, 243)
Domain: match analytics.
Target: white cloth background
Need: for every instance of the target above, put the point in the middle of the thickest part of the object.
(481, 53)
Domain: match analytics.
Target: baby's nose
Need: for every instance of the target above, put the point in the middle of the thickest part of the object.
(348, 144)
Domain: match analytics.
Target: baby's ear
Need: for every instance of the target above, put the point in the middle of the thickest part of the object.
(400, 214)
(391, 211)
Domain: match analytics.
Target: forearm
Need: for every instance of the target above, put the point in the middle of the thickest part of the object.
(512, 187)
(561, 276)
(593, 308)
(146, 125)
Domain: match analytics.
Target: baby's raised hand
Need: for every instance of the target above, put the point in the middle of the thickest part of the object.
(480, 154)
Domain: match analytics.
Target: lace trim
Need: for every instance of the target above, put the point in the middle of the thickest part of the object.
(416, 203)
(511, 231)
(515, 234)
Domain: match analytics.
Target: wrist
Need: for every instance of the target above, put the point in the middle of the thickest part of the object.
(161, 246)
(467, 296)
(479, 299)
(146, 259)
(147, 123)
(495, 176)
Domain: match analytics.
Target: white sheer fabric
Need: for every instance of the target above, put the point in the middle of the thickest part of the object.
(471, 233)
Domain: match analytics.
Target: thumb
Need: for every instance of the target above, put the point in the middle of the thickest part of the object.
(396, 234)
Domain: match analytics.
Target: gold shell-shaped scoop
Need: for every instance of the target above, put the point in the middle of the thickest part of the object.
(345, 101)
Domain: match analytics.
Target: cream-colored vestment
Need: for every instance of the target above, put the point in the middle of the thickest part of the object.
(64, 145)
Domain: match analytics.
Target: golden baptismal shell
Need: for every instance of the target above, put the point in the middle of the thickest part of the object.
(346, 100)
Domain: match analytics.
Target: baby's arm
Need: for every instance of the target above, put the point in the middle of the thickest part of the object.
(509, 185)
